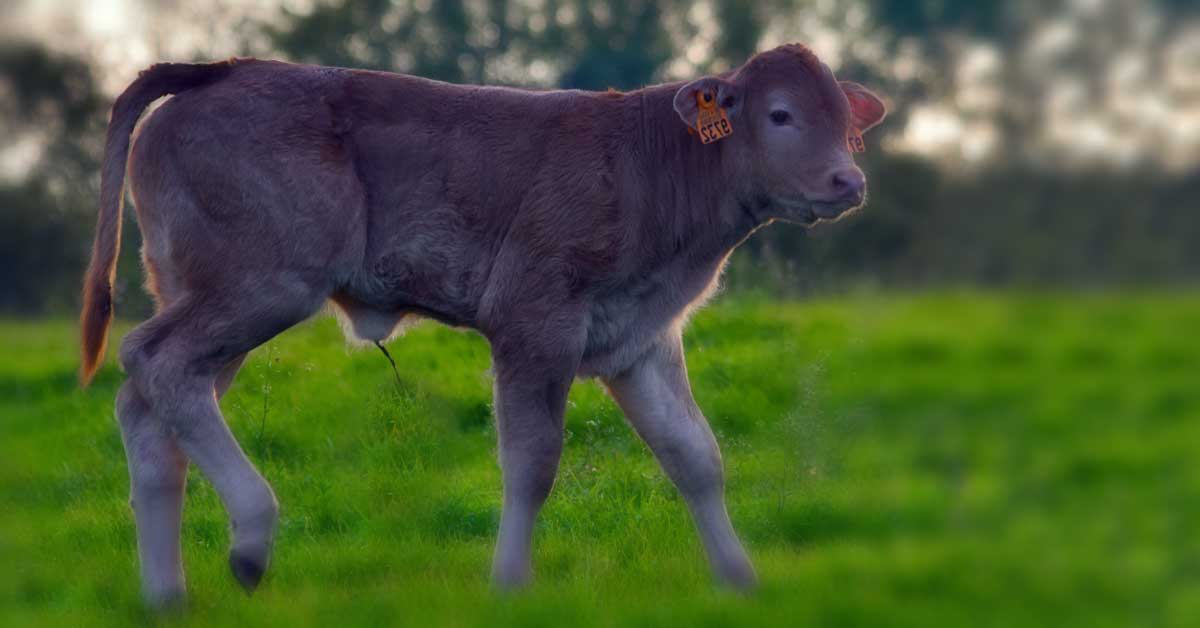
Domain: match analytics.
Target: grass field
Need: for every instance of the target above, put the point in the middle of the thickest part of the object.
(939, 460)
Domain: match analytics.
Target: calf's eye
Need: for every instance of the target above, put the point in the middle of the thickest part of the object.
(780, 117)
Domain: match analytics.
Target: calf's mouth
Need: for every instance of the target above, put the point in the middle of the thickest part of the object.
(833, 210)
(806, 212)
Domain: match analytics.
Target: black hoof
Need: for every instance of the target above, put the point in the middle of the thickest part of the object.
(247, 570)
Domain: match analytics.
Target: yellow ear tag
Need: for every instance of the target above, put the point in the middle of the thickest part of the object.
(855, 141)
(711, 123)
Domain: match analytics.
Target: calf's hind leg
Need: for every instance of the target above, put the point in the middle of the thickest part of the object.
(157, 478)
(174, 361)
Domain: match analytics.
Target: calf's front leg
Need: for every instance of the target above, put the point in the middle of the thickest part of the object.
(530, 397)
(657, 401)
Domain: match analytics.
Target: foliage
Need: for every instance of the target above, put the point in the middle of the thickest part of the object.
(1002, 227)
(40, 244)
(942, 460)
(45, 217)
(56, 97)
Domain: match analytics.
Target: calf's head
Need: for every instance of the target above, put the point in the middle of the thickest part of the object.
(793, 125)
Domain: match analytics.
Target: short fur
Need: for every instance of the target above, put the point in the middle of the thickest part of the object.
(574, 230)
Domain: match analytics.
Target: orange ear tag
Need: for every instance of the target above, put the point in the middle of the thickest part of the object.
(711, 123)
(855, 141)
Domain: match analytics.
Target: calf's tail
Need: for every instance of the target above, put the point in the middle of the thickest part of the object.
(151, 84)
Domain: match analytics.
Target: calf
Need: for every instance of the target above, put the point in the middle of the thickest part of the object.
(574, 230)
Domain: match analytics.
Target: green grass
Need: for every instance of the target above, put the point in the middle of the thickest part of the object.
(938, 460)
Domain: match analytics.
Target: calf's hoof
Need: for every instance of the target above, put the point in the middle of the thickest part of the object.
(248, 568)
(738, 576)
(253, 538)
(511, 577)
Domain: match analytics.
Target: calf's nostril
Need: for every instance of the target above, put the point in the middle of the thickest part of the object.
(848, 182)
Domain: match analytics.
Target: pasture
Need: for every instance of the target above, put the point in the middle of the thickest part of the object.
(953, 459)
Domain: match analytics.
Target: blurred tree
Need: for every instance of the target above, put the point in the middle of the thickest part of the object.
(47, 213)
(42, 249)
(569, 43)
(53, 98)
(921, 17)
(622, 45)
(1056, 83)
(54, 107)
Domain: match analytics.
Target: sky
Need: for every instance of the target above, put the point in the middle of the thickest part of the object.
(1109, 82)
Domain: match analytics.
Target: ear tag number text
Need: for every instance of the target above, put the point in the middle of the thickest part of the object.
(712, 124)
(856, 143)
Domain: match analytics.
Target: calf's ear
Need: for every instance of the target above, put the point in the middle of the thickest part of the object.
(866, 109)
(726, 93)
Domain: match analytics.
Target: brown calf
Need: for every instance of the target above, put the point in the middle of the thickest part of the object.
(574, 230)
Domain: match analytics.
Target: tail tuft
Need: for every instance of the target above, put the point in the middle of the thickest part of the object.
(94, 322)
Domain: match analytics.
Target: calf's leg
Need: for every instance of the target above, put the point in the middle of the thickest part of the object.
(157, 478)
(530, 397)
(174, 361)
(657, 400)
